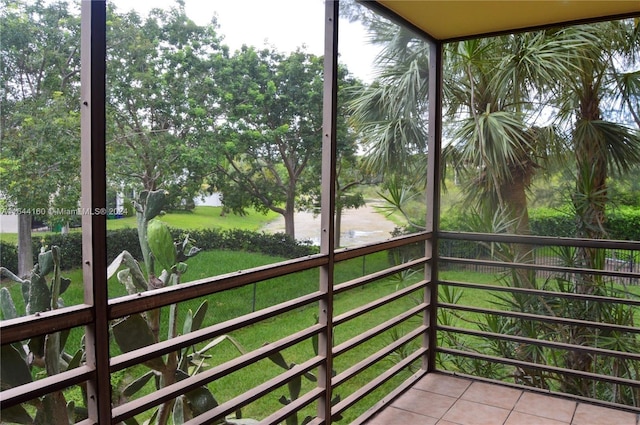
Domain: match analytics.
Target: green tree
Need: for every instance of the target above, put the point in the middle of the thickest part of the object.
(350, 177)
(162, 100)
(272, 131)
(490, 88)
(601, 147)
(39, 124)
(500, 85)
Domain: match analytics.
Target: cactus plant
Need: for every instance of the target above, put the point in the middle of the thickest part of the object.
(141, 330)
(295, 384)
(43, 352)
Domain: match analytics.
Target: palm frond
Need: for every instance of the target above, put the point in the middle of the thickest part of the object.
(494, 144)
(619, 144)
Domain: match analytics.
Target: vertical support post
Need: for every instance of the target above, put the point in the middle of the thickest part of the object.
(327, 238)
(433, 201)
(93, 203)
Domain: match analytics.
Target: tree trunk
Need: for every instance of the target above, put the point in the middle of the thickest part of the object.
(289, 211)
(515, 197)
(25, 249)
(589, 202)
(289, 224)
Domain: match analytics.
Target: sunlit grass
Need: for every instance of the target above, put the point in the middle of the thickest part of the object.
(200, 218)
(234, 303)
(203, 218)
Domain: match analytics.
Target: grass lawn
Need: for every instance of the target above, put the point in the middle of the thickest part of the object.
(203, 218)
(230, 304)
(200, 218)
(234, 303)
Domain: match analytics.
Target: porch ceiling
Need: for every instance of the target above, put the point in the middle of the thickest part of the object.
(453, 19)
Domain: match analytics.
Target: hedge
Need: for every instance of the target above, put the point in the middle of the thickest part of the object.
(70, 244)
(622, 223)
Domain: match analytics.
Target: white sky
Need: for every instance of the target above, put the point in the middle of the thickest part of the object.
(284, 24)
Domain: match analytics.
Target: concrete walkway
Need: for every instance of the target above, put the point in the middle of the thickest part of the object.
(359, 226)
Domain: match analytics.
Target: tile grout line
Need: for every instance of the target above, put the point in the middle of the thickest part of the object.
(575, 410)
(513, 408)
(457, 400)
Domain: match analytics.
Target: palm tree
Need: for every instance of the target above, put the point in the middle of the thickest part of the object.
(601, 146)
(391, 113)
(489, 90)
(494, 91)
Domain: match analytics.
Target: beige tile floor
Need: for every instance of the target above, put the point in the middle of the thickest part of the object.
(439, 399)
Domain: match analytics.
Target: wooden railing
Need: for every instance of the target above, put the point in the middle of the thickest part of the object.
(474, 339)
(568, 327)
(21, 329)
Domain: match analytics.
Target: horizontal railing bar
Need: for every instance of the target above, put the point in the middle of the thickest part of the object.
(537, 267)
(134, 407)
(352, 314)
(157, 298)
(365, 336)
(542, 342)
(242, 400)
(24, 393)
(541, 318)
(370, 386)
(398, 241)
(541, 293)
(540, 240)
(134, 357)
(527, 365)
(45, 322)
(293, 407)
(389, 398)
(378, 275)
(369, 361)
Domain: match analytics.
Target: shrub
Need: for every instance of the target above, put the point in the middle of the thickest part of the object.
(123, 240)
(70, 248)
(8, 255)
(552, 222)
(70, 244)
(624, 223)
(277, 244)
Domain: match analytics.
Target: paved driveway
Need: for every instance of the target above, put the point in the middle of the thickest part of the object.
(360, 226)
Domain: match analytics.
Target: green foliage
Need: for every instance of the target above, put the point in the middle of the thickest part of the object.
(44, 352)
(552, 222)
(161, 244)
(624, 223)
(163, 101)
(272, 130)
(294, 386)
(621, 223)
(40, 125)
(8, 255)
(129, 209)
(277, 244)
(138, 331)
